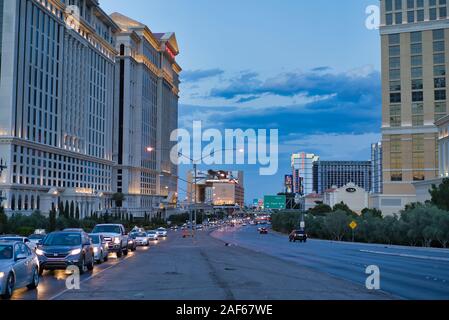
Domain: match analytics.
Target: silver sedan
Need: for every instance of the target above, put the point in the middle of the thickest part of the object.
(19, 267)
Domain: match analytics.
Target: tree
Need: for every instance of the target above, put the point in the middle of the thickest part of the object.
(440, 195)
(373, 212)
(118, 198)
(337, 224)
(60, 208)
(344, 207)
(320, 210)
(66, 210)
(3, 221)
(72, 210)
(52, 220)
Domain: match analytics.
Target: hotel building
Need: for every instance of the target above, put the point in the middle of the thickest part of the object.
(82, 100)
(327, 174)
(57, 93)
(302, 169)
(415, 52)
(146, 114)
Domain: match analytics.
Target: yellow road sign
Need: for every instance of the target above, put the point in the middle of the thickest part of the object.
(353, 225)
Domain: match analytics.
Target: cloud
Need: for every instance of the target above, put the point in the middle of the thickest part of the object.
(198, 75)
(318, 69)
(354, 85)
(247, 99)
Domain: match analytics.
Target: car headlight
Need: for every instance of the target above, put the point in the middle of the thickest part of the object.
(130, 241)
(117, 240)
(2, 274)
(75, 252)
(95, 250)
(39, 252)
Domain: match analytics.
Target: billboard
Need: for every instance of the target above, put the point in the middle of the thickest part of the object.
(275, 202)
(288, 183)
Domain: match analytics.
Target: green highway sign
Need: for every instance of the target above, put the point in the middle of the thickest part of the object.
(275, 202)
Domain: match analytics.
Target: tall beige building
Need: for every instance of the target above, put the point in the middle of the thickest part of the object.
(415, 51)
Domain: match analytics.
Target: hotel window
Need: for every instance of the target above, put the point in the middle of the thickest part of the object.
(440, 95)
(395, 97)
(395, 115)
(395, 159)
(417, 96)
(395, 86)
(417, 114)
(418, 157)
(440, 110)
(417, 84)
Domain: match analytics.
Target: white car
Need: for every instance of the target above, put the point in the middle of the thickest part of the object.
(25, 240)
(141, 238)
(152, 235)
(162, 232)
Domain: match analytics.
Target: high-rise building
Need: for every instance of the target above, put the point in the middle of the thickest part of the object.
(414, 41)
(443, 137)
(302, 170)
(376, 168)
(57, 98)
(148, 86)
(327, 174)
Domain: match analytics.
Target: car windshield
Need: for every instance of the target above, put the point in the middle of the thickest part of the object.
(107, 229)
(95, 239)
(141, 234)
(151, 232)
(5, 252)
(161, 229)
(63, 239)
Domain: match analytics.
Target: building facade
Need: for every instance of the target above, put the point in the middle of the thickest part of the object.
(443, 146)
(57, 93)
(218, 188)
(146, 114)
(376, 169)
(82, 103)
(415, 51)
(339, 173)
(355, 197)
(302, 170)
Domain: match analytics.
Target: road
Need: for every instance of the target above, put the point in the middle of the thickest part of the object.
(202, 268)
(408, 273)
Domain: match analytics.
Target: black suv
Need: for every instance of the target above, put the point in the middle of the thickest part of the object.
(298, 235)
(60, 250)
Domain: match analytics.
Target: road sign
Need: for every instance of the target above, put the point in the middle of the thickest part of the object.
(353, 225)
(302, 225)
(275, 202)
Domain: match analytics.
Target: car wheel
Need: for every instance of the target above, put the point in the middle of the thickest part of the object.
(82, 265)
(119, 253)
(9, 287)
(125, 252)
(35, 282)
(91, 265)
(41, 271)
(106, 257)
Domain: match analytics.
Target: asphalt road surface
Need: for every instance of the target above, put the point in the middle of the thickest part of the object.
(202, 268)
(407, 273)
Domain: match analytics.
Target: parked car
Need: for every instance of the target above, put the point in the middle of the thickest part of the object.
(132, 244)
(162, 232)
(263, 231)
(141, 239)
(24, 240)
(19, 267)
(37, 238)
(62, 249)
(115, 236)
(152, 235)
(101, 250)
(298, 235)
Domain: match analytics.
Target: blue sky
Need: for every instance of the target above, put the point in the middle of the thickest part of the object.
(307, 68)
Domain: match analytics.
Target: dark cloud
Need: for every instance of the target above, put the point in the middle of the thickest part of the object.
(320, 69)
(247, 99)
(349, 87)
(197, 75)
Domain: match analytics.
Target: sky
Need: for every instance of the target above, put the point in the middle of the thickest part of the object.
(310, 69)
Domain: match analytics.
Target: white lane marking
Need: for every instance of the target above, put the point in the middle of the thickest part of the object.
(91, 277)
(406, 255)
